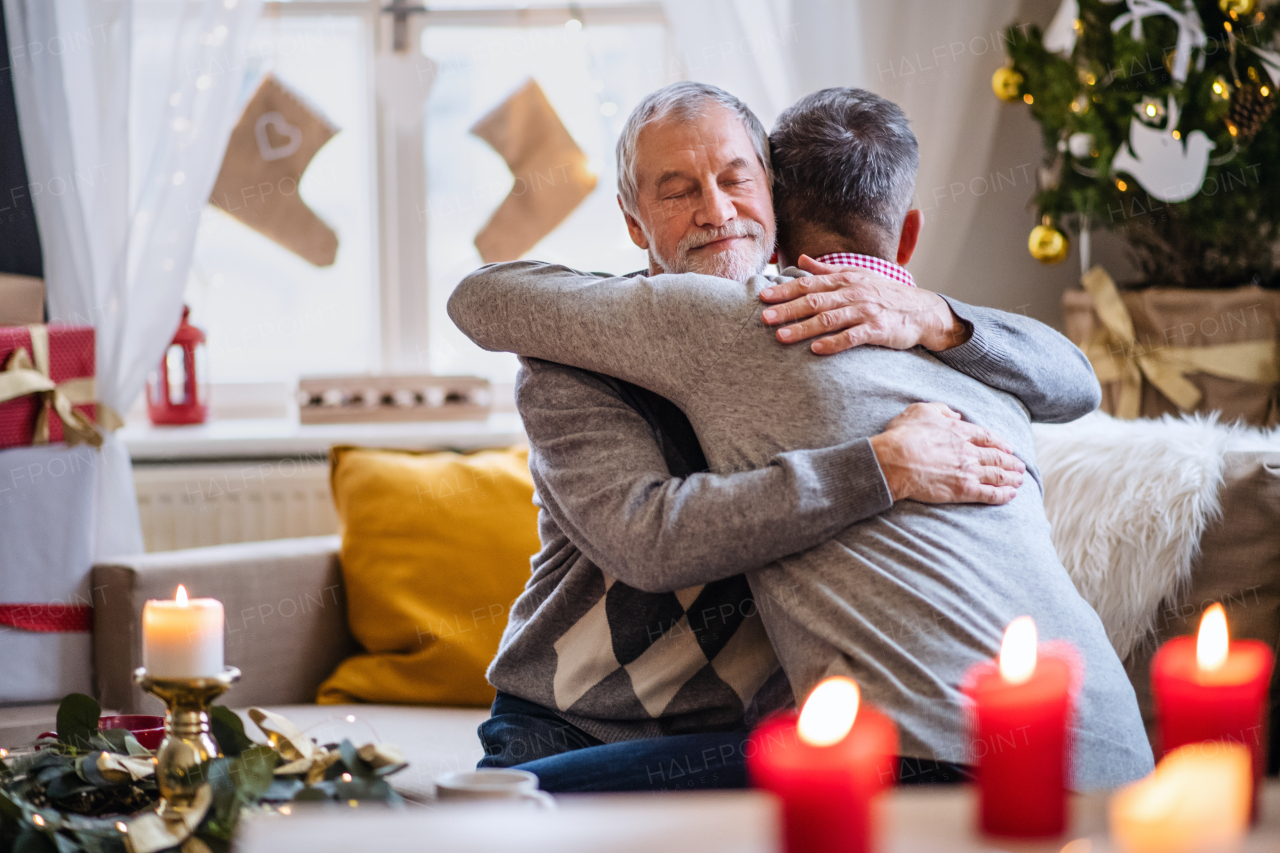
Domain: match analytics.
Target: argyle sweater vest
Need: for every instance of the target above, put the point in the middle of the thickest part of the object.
(637, 664)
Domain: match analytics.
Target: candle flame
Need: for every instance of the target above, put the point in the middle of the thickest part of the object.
(1212, 643)
(829, 712)
(1018, 651)
(181, 596)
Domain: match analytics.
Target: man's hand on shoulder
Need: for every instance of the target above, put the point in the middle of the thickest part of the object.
(845, 307)
(930, 454)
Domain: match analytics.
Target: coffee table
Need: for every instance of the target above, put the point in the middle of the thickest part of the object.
(937, 820)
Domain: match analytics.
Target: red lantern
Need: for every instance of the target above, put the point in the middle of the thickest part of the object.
(178, 391)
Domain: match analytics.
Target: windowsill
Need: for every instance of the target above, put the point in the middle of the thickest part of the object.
(278, 437)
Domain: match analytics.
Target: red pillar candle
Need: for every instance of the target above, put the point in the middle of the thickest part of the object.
(1210, 688)
(1021, 708)
(827, 766)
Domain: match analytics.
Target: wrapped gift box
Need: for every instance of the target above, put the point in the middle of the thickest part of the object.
(70, 358)
(1218, 346)
(46, 554)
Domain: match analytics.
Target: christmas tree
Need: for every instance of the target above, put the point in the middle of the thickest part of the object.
(1159, 125)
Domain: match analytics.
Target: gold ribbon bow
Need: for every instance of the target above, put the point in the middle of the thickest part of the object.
(301, 753)
(1116, 355)
(28, 373)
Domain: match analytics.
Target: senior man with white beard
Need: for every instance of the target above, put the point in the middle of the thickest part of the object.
(636, 659)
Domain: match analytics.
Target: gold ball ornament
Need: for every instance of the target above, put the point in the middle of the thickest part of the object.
(1235, 8)
(1048, 245)
(1005, 83)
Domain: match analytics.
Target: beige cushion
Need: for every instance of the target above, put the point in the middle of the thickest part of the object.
(434, 740)
(1239, 566)
(286, 617)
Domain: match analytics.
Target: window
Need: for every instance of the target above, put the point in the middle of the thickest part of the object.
(407, 191)
(269, 314)
(592, 76)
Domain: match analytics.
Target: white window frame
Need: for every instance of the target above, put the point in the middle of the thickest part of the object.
(403, 328)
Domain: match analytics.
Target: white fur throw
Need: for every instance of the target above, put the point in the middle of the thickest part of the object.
(1129, 501)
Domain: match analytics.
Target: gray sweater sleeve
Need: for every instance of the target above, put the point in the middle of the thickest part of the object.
(603, 479)
(617, 325)
(662, 332)
(1027, 359)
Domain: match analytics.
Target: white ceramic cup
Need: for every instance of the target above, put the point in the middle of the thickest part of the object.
(492, 784)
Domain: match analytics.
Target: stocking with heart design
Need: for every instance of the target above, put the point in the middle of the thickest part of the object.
(271, 146)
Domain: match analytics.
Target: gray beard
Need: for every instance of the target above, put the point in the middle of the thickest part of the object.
(738, 266)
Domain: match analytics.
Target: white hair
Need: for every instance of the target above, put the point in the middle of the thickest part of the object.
(684, 101)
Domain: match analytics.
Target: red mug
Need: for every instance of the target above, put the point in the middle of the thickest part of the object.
(147, 729)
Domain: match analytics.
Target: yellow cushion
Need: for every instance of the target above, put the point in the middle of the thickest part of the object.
(435, 547)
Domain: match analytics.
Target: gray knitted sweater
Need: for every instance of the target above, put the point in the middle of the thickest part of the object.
(904, 602)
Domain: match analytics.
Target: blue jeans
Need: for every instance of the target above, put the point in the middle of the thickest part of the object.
(567, 760)
(518, 731)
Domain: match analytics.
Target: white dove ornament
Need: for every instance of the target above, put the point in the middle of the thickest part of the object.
(1168, 168)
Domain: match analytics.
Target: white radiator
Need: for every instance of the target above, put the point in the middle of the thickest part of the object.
(186, 505)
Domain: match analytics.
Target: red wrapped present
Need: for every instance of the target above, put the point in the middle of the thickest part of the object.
(46, 385)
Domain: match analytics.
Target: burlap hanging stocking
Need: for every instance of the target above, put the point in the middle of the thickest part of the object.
(551, 174)
(270, 148)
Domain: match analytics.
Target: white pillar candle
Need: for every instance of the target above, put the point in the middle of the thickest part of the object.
(1198, 798)
(182, 638)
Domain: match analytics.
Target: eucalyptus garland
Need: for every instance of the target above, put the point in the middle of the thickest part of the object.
(93, 790)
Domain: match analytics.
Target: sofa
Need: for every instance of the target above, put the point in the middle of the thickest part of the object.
(286, 631)
(287, 628)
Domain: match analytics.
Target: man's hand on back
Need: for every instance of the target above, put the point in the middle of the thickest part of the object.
(850, 307)
(929, 454)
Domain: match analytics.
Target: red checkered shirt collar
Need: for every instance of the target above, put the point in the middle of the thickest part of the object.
(867, 262)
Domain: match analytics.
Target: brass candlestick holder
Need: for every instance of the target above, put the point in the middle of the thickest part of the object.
(187, 743)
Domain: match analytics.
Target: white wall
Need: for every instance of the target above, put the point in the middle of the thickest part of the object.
(978, 156)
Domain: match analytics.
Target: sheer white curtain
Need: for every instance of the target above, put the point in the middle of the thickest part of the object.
(747, 47)
(125, 109)
(933, 58)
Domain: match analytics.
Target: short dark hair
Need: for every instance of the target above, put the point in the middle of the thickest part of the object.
(843, 159)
